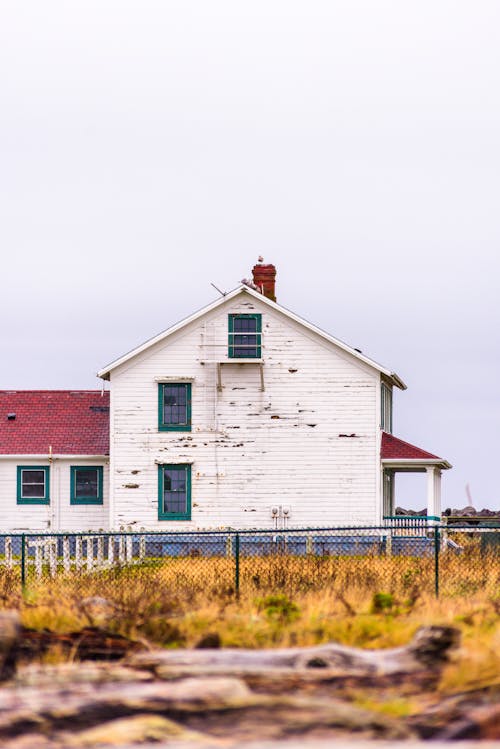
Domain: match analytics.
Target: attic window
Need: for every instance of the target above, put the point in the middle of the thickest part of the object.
(11, 417)
(245, 336)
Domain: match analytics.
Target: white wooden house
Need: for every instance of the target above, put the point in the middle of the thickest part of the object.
(243, 415)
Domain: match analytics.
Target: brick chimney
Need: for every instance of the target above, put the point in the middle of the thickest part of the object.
(264, 277)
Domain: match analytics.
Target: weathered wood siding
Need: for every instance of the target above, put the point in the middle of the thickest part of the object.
(59, 515)
(82, 517)
(309, 442)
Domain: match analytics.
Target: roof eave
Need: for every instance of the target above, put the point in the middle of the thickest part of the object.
(398, 381)
(436, 462)
(54, 456)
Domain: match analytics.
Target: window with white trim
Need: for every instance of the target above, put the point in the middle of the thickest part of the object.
(33, 486)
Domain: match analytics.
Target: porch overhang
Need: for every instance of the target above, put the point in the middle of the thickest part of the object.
(416, 466)
(398, 454)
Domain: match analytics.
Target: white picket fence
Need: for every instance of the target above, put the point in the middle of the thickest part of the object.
(91, 553)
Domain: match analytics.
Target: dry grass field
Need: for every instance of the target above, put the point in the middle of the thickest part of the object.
(369, 602)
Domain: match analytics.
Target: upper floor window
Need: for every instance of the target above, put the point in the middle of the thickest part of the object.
(86, 485)
(174, 413)
(33, 485)
(245, 336)
(386, 408)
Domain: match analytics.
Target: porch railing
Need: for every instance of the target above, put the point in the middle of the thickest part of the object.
(411, 525)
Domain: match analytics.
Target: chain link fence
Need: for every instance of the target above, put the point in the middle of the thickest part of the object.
(447, 561)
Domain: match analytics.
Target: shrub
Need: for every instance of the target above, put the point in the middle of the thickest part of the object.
(382, 603)
(278, 608)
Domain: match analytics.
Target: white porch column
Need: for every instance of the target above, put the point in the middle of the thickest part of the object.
(433, 491)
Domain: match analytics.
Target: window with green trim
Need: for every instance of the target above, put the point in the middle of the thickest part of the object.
(174, 492)
(86, 485)
(174, 407)
(245, 336)
(33, 485)
(386, 408)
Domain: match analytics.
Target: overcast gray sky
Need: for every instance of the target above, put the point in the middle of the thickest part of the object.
(149, 148)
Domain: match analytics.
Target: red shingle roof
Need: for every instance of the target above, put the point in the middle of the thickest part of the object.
(395, 449)
(72, 422)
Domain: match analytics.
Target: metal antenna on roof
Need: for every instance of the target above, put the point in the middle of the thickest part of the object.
(222, 293)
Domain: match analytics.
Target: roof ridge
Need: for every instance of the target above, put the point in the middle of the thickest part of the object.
(11, 391)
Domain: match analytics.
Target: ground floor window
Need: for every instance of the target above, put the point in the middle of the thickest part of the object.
(33, 485)
(86, 485)
(174, 492)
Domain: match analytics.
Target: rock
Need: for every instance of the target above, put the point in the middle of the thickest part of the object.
(219, 707)
(89, 643)
(487, 720)
(209, 641)
(135, 730)
(97, 610)
(467, 715)
(10, 629)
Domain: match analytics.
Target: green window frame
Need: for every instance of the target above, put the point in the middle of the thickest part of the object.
(174, 407)
(386, 408)
(78, 494)
(174, 491)
(245, 336)
(25, 495)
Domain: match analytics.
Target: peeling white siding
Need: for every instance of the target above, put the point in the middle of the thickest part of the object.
(81, 517)
(59, 515)
(20, 517)
(250, 450)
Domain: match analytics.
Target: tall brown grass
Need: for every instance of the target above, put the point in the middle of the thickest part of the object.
(282, 601)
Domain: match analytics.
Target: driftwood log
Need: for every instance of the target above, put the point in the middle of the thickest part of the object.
(213, 696)
(420, 662)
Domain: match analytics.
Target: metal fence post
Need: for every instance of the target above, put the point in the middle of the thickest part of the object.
(23, 563)
(237, 565)
(436, 561)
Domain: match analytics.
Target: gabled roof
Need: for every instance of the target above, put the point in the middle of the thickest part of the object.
(70, 422)
(243, 289)
(395, 450)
